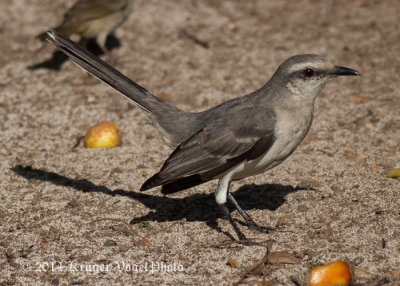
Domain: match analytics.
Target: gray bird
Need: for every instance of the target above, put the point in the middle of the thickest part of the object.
(242, 137)
(94, 19)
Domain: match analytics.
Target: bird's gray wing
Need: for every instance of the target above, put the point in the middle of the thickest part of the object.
(237, 135)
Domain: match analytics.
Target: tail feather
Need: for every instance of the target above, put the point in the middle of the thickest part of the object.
(151, 182)
(174, 186)
(182, 184)
(106, 73)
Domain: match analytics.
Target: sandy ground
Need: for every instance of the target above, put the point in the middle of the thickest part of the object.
(64, 211)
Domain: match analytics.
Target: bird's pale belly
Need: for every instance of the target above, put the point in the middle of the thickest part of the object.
(284, 145)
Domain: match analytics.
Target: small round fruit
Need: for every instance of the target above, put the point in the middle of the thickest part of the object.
(337, 273)
(104, 134)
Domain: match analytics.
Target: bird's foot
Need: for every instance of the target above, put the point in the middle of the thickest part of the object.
(263, 229)
(253, 226)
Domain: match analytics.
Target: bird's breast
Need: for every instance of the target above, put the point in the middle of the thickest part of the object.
(289, 131)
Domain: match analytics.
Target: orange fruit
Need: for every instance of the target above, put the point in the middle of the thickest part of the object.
(337, 273)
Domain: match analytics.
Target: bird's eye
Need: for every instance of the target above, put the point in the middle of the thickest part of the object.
(308, 72)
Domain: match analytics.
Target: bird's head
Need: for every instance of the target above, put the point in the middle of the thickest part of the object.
(306, 75)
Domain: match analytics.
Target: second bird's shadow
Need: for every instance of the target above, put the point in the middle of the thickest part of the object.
(194, 207)
(59, 58)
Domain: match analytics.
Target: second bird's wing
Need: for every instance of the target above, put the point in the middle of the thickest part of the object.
(88, 10)
(235, 136)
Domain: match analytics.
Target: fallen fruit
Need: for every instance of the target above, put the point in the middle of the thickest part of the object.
(104, 134)
(394, 173)
(337, 273)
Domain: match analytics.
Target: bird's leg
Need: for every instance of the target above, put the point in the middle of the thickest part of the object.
(105, 51)
(83, 42)
(250, 223)
(246, 217)
(220, 198)
(101, 40)
(226, 212)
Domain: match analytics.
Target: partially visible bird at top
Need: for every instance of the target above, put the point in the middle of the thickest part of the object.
(94, 19)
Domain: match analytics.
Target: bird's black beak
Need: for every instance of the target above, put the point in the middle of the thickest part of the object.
(339, 71)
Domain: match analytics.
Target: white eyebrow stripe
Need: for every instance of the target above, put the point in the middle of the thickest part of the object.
(300, 66)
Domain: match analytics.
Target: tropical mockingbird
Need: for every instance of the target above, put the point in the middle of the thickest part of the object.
(242, 137)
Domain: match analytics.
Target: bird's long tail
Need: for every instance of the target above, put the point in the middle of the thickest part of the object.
(105, 72)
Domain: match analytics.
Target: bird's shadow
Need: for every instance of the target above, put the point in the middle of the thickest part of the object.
(195, 207)
(59, 58)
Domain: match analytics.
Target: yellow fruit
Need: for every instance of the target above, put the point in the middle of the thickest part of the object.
(104, 134)
(337, 273)
(394, 173)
